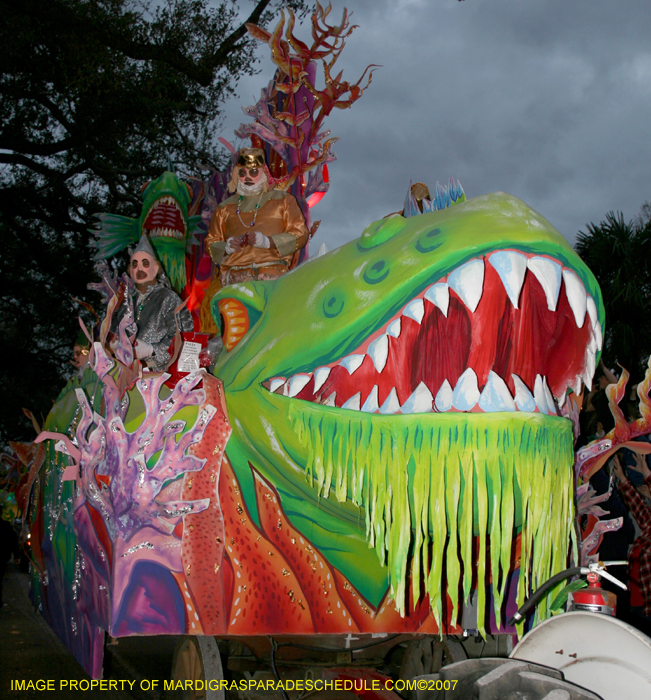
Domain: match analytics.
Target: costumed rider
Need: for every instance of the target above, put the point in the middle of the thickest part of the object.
(80, 353)
(255, 232)
(154, 305)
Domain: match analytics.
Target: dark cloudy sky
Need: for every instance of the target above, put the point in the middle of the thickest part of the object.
(548, 100)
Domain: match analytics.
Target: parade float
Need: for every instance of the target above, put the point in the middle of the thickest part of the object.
(382, 451)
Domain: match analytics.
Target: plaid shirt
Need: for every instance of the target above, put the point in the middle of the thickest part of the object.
(641, 549)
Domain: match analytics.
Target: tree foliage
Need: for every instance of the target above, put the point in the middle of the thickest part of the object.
(619, 255)
(96, 97)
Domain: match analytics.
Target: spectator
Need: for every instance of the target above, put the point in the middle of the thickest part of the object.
(8, 547)
(596, 418)
(639, 557)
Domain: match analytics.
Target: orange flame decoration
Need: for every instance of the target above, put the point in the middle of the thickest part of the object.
(292, 57)
(592, 457)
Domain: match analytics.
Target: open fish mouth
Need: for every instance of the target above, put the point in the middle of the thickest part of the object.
(509, 332)
(165, 219)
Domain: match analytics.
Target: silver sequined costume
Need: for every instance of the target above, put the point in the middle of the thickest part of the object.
(154, 315)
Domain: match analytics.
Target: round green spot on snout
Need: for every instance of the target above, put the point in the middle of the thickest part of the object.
(333, 304)
(429, 241)
(381, 231)
(376, 272)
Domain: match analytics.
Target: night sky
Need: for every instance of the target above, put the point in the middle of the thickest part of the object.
(549, 101)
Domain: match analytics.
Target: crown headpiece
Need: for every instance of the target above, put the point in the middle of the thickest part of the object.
(251, 158)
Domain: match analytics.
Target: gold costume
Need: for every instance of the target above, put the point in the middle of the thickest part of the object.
(278, 217)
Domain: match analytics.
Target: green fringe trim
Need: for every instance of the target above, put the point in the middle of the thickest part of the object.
(430, 483)
(171, 254)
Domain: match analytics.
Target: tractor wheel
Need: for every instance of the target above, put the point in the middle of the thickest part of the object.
(198, 659)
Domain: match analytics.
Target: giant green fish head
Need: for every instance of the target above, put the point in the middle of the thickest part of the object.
(412, 383)
(165, 220)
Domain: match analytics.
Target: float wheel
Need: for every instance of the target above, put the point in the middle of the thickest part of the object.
(198, 659)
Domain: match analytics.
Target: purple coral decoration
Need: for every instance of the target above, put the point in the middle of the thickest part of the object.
(130, 501)
(587, 504)
(288, 116)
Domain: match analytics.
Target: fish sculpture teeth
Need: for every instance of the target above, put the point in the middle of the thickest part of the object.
(576, 295)
(391, 404)
(466, 392)
(549, 274)
(420, 401)
(443, 400)
(371, 403)
(439, 295)
(496, 395)
(378, 351)
(320, 376)
(467, 283)
(524, 399)
(511, 267)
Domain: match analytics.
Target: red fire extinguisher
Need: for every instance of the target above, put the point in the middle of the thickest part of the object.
(594, 598)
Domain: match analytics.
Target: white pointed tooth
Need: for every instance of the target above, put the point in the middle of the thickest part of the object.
(354, 401)
(378, 351)
(511, 267)
(539, 395)
(352, 362)
(415, 310)
(297, 383)
(592, 310)
(523, 397)
(592, 345)
(576, 295)
(496, 395)
(330, 401)
(577, 385)
(443, 400)
(589, 366)
(598, 335)
(320, 375)
(466, 392)
(420, 401)
(439, 295)
(468, 282)
(284, 389)
(548, 273)
(561, 399)
(393, 329)
(275, 383)
(549, 399)
(391, 405)
(371, 403)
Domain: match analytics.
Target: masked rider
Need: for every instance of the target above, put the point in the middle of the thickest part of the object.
(154, 306)
(255, 232)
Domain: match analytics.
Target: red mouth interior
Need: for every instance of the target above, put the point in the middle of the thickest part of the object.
(164, 215)
(527, 341)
